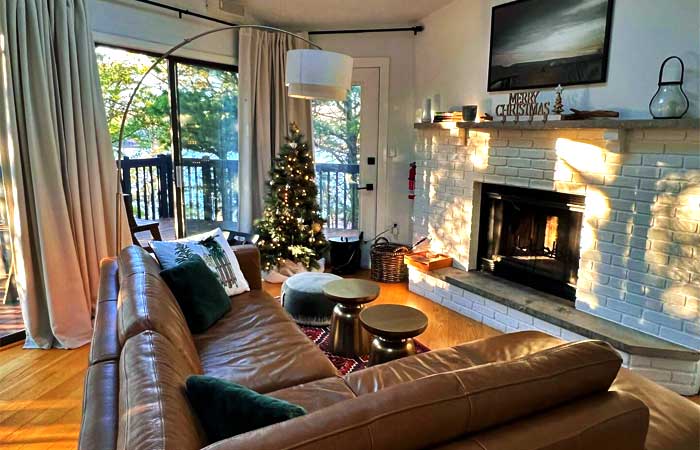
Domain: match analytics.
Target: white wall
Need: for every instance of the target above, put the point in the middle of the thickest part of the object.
(128, 24)
(452, 56)
(399, 47)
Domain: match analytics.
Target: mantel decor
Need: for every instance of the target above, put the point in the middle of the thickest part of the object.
(545, 43)
(525, 105)
(669, 102)
(310, 73)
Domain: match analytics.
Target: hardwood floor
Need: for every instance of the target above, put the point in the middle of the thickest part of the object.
(41, 390)
(41, 395)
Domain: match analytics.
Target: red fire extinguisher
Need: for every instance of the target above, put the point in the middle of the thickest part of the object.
(412, 180)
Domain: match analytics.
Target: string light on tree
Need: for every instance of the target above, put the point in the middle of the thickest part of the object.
(291, 211)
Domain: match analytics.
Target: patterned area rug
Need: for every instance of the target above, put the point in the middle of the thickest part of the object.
(319, 335)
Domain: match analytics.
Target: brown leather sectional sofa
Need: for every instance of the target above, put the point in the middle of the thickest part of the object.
(519, 391)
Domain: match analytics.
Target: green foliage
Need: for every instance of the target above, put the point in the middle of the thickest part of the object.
(208, 104)
(148, 123)
(337, 127)
(291, 227)
(208, 110)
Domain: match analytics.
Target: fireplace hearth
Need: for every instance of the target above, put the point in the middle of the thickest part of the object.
(531, 237)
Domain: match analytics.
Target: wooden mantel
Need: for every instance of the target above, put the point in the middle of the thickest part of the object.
(605, 124)
(615, 129)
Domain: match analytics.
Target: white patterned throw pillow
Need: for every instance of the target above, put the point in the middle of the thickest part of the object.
(213, 249)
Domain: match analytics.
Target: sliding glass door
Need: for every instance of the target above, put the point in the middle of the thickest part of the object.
(180, 164)
(208, 119)
(147, 146)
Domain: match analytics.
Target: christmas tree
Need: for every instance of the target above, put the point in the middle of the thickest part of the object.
(291, 227)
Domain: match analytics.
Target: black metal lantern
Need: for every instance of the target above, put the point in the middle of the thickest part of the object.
(669, 102)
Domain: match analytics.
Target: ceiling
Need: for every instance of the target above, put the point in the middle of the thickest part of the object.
(335, 14)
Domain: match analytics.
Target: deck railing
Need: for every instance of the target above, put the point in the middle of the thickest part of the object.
(150, 183)
(337, 194)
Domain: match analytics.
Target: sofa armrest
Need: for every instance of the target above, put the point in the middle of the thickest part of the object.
(109, 280)
(100, 422)
(105, 339)
(249, 259)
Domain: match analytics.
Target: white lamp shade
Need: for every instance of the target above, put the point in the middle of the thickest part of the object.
(318, 74)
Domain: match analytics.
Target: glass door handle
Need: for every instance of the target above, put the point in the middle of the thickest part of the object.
(368, 187)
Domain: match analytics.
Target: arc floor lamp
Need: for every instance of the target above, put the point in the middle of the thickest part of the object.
(310, 73)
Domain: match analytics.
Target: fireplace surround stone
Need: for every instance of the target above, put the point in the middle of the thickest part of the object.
(640, 239)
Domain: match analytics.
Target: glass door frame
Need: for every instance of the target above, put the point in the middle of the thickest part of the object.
(176, 154)
(179, 186)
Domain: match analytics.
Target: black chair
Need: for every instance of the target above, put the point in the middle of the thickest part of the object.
(239, 238)
(140, 225)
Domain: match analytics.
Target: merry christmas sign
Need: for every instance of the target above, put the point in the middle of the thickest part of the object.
(524, 106)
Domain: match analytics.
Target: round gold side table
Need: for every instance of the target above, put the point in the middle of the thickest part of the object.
(393, 327)
(347, 337)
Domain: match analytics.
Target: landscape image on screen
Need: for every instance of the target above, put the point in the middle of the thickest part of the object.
(540, 43)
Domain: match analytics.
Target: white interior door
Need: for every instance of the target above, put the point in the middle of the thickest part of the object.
(368, 81)
(346, 143)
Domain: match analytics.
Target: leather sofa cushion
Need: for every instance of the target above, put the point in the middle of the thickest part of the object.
(100, 407)
(317, 394)
(134, 259)
(105, 342)
(495, 349)
(146, 303)
(257, 345)
(154, 412)
(459, 402)
(248, 258)
(499, 392)
(605, 421)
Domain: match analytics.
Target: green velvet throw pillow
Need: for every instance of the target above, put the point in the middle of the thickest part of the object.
(228, 409)
(199, 293)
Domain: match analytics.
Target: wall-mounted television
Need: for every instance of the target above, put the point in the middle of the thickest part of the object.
(544, 43)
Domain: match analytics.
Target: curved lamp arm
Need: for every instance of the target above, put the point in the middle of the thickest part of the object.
(120, 193)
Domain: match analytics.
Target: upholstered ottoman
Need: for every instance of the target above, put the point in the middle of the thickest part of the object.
(302, 297)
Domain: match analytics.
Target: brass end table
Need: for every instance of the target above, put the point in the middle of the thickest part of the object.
(393, 327)
(347, 337)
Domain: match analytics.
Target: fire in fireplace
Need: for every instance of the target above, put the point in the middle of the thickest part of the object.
(531, 237)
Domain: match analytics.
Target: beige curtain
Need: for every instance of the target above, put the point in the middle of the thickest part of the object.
(58, 164)
(264, 113)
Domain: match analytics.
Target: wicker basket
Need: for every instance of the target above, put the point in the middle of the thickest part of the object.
(387, 263)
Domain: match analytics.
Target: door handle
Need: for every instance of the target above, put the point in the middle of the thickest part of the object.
(368, 187)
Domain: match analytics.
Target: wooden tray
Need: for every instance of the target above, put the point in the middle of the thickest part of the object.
(427, 261)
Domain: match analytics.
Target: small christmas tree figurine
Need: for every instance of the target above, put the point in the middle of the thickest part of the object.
(558, 105)
(291, 227)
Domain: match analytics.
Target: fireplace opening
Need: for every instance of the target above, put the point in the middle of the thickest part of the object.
(531, 237)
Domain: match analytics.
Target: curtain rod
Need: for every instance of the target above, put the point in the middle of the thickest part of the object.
(184, 12)
(417, 29)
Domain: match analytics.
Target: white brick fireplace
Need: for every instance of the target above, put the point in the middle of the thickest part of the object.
(639, 261)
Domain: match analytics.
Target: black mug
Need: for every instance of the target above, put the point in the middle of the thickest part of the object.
(469, 113)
